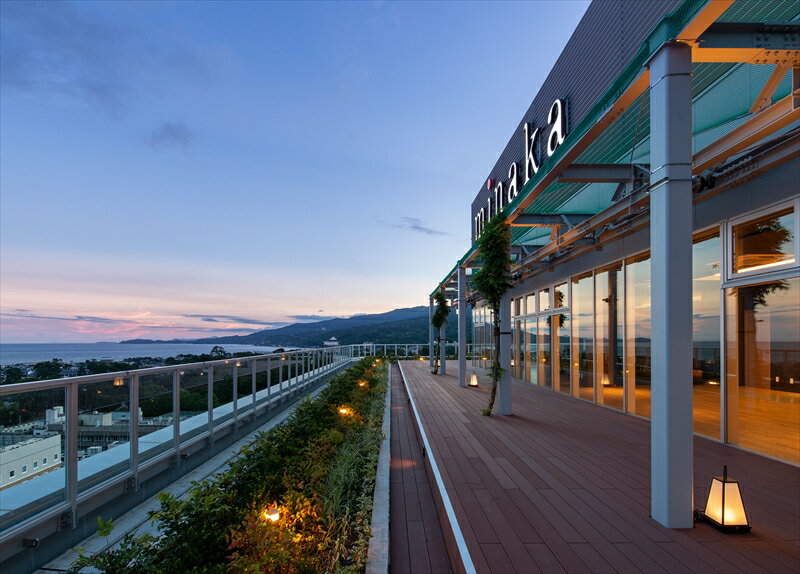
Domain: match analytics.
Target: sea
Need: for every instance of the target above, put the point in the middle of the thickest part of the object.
(14, 353)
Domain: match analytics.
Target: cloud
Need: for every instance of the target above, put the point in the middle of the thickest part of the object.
(87, 318)
(170, 134)
(413, 224)
(232, 319)
(313, 317)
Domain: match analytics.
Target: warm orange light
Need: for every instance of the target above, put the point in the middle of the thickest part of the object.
(118, 382)
(272, 513)
(724, 507)
(362, 383)
(473, 381)
(238, 364)
(344, 411)
(421, 359)
(713, 382)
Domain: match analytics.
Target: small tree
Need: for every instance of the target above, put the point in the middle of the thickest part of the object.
(493, 280)
(437, 320)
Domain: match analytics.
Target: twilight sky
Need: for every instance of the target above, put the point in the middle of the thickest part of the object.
(179, 169)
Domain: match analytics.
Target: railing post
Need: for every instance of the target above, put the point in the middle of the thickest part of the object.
(176, 412)
(281, 360)
(253, 376)
(211, 403)
(72, 455)
(269, 382)
(134, 430)
(462, 327)
(235, 394)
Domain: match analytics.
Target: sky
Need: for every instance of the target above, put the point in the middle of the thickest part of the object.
(182, 169)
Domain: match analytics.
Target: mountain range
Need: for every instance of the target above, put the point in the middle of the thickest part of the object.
(409, 325)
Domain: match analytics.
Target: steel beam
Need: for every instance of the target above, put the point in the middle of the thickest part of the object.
(549, 219)
(671, 457)
(764, 123)
(598, 173)
(764, 98)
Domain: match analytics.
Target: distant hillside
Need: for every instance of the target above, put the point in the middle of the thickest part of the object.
(399, 326)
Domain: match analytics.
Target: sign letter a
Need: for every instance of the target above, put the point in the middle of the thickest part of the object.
(558, 119)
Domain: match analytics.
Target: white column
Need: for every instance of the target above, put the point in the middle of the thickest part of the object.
(504, 387)
(443, 348)
(431, 331)
(462, 327)
(671, 285)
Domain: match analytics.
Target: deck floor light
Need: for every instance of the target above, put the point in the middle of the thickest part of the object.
(473, 381)
(725, 507)
(272, 513)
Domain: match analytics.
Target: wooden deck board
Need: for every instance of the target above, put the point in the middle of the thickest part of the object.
(416, 540)
(564, 486)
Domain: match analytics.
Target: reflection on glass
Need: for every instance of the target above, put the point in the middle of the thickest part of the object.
(583, 336)
(764, 368)
(561, 347)
(156, 430)
(531, 357)
(519, 349)
(638, 335)
(706, 257)
(545, 366)
(608, 337)
(764, 243)
(530, 304)
(560, 296)
(544, 300)
(193, 402)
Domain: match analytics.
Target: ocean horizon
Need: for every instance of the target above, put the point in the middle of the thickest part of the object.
(14, 353)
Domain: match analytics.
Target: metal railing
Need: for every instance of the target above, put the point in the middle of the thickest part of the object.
(69, 445)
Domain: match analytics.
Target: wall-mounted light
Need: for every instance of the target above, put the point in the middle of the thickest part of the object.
(473, 381)
(725, 507)
(118, 382)
(272, 513)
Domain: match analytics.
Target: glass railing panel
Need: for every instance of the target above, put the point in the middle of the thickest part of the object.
(156, 418)
(244, 384)
(223, 392)
(193, 402)
(104, 430)
(32, 447)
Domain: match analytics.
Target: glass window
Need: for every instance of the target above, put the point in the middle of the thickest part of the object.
(764, 243)
(35, 464)
(583, 336)
(763, 368)
(24, 468)
(706, 257)
(55, 456)
(519, 349)
(608, 336)
(516, 307)
(11, 473)
(530, 303)
(561, 352)
(544, 300)
(531, 356)
(545, 365)
(638, 333)
(44, 460)
(560, 296)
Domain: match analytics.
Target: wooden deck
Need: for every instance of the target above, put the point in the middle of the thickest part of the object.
(416, 541)
(564, 486)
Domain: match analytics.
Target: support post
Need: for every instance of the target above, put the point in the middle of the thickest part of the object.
(462, 327)
(671, 280)
(431, 332)
(443, 348)
(504, 385)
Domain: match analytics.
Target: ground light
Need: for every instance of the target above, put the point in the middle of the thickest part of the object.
(118, 382)
(272, 513)
(362, 383)
(725, 507)
(344, 411)
(473, 381)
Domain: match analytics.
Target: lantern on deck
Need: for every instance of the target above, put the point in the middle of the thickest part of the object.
(725, 507)
(473, 381)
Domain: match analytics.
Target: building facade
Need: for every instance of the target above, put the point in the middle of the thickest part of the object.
(652, 190)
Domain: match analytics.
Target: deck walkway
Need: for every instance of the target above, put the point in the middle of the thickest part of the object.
(416, 541)
(564, 486)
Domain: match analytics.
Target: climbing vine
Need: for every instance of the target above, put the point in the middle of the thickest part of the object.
(438, 319)
(492, 281)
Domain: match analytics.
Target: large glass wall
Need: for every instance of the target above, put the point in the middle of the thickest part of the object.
(763, 367)
(638, 333)
(562, 350)
(608, 336)
(532, 373)
(706, 258)
(545, 352)
(582, 306)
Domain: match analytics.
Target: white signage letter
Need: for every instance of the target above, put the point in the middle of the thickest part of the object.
(531, 143)
(558, 119)
(499, 202)
(512, 181)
